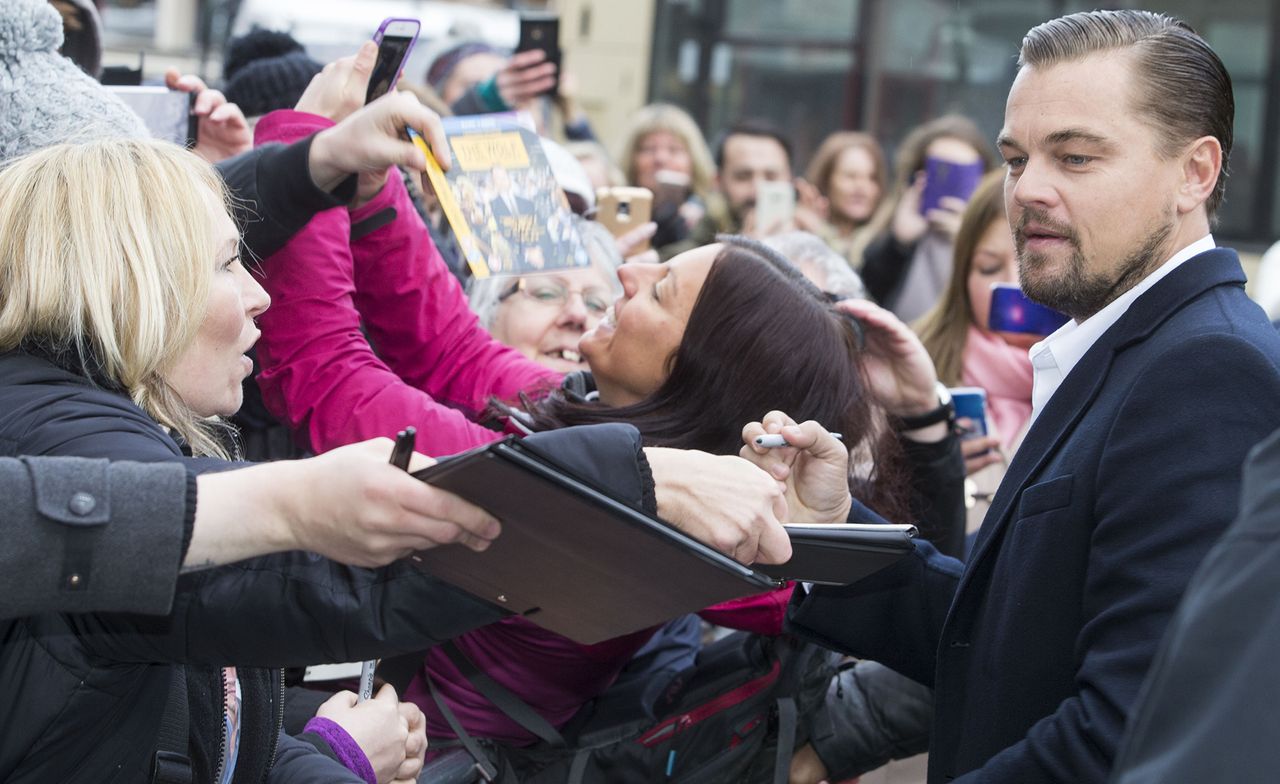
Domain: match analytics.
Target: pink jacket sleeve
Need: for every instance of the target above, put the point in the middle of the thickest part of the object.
(320, 374)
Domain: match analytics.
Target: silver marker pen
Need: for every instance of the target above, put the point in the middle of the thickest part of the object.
(775, 440)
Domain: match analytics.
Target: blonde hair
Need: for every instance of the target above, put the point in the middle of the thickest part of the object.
(944, 330)
(674, 120)
(106, 250)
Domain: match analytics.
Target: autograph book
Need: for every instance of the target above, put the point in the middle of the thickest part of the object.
(578, 562)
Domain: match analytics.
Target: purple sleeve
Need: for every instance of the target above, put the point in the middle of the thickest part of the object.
(344, 747)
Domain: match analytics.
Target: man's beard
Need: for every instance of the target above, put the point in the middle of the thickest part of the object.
(1076, 291)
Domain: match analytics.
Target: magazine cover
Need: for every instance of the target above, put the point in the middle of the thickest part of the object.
(501, 199)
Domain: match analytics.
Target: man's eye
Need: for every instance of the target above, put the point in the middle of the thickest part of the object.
(1077, 160)
(1015, 162)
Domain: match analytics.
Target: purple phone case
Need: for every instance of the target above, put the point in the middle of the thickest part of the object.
(945, 178)
(1011, 311)
(376, 77)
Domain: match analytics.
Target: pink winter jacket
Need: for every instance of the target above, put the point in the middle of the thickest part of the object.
(435, 366)
(320, 375)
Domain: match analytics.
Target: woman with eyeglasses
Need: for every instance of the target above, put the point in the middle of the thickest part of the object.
(691, 351)
(544, 316)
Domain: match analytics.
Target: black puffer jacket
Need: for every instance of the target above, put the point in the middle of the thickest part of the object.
(83, 693)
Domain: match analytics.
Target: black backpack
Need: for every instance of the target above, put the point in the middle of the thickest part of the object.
(735, 716)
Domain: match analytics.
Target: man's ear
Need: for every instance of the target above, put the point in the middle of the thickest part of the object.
(1201, 168)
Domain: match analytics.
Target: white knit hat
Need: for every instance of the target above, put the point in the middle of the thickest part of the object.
(44, 98)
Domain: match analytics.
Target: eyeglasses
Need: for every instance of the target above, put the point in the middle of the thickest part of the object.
(554, 295)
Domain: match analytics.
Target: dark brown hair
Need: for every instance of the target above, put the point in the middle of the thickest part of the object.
(760, 337)
(1183, 89)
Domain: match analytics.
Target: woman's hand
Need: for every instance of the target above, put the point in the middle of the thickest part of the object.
(979, 451)
(380, 728)
(723, 501)
(336, 93)
(222, 130)
(525, 77)
(369, 141)
(814, 469)
(813, 211)
(415, 746)
(339, 90)
(945, 218)
(628, 242)
(898, 367)
(807, 767)
(908, 225)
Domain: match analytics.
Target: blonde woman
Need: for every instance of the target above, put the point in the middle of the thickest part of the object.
(125, 312)
(664, 138)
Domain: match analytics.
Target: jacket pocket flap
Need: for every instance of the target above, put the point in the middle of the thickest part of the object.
(79, 498)
(1045, 496)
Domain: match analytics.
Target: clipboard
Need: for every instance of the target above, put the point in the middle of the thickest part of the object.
(578, 562)
(840, 553)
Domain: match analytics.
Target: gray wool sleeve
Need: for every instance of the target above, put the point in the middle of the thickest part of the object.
(87, 535)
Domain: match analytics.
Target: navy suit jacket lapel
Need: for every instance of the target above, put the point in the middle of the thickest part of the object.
(1080, 387)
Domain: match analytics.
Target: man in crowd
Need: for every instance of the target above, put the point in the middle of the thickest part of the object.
(750, 152)
(1117, 133)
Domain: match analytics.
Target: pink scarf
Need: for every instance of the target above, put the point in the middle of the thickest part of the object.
(1005, 372)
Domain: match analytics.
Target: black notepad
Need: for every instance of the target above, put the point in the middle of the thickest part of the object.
(578, 562)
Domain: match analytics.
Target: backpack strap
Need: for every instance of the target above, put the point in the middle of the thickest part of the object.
(578, 768)
(484, 766)
(787, 722)
(170, 763)
(399, 670)
(516, 709)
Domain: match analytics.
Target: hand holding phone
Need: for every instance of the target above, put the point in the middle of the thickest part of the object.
(541, 31)
(775, 206)
(395, 39)
(623, 209)
(948, 178)
(1012, 311)
(168, 114)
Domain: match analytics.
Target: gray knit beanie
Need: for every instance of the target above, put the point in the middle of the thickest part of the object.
(44, 98)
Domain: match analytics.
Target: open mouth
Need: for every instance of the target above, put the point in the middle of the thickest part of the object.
(566, 354)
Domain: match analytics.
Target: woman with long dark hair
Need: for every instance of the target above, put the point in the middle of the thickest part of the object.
(757, 336)
(692, 350)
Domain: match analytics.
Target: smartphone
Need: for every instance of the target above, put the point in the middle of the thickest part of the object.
(971, 404)
(541, 31)
(948, 178)
(775, 205)
(671, 191)
(395, 39)
(166, 113)
(621, 209)
(1011, 311)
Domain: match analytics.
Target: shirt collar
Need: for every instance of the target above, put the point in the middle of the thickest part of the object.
(1066, 346)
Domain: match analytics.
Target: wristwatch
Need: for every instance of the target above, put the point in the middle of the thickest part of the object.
(945, 412)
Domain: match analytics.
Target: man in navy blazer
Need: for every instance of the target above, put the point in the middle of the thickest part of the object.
(1117, 131)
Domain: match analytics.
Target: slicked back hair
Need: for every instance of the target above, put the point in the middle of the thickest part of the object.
(1182, 88)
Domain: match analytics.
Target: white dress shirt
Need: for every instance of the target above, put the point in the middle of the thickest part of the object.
(1053, 358)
